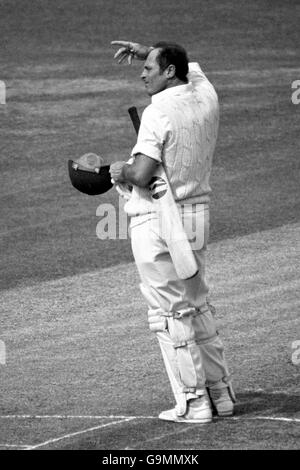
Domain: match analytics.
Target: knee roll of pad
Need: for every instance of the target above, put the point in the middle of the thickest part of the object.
(156, 316)
(191, 327)
(157, 322)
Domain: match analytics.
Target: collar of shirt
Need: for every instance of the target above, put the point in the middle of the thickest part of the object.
(173, 91)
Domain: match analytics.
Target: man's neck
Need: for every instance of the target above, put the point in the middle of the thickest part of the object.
(175, 82)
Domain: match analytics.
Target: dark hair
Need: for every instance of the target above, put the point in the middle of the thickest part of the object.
(173, 54)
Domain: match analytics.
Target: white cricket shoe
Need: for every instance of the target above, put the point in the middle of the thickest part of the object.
(198, 411)
(221, 401)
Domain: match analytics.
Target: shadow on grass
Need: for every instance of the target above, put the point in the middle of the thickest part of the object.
(267, 402)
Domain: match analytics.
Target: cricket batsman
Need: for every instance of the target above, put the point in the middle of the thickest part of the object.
(174, 149)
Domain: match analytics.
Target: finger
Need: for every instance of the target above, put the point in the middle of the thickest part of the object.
(124, 56)
(119, 52)
(129, 59)
(120, 43)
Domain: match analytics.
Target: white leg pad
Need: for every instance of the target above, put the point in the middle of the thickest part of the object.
(181, 354)
(183, 381)
(192, 350)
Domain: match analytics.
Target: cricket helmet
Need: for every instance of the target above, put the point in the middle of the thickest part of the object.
(88, 174)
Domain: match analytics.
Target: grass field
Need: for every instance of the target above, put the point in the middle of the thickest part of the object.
(82, 370)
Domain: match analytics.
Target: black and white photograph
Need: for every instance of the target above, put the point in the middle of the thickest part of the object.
(150, 228)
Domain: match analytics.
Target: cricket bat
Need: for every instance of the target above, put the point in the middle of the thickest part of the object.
(170, 220)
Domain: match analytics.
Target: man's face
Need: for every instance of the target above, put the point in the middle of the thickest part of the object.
(154, 80)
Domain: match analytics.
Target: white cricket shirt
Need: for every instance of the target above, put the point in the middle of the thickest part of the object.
(179, 128)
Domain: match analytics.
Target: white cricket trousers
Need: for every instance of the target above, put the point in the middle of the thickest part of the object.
(177, 309)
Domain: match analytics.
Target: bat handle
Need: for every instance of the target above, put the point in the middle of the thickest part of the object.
(134, 118)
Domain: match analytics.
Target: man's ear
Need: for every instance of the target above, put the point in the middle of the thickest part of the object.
(171, 71)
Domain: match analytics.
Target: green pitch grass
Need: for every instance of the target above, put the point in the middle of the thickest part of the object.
(71, 315)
